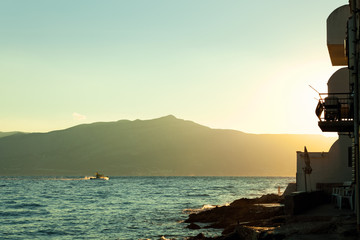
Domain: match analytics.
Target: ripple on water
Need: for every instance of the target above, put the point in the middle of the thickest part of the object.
(121, 208)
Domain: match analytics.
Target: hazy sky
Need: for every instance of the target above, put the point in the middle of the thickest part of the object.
(234, 64)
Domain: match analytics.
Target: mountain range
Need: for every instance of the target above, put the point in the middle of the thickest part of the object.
(166, 146)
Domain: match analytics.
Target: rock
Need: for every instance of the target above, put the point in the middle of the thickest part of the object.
(242, 202)
(246, 211)
(164, 238)
(270, 198)
(250, 219)
(242, 233)
(193, 226)
(200, 236)
(241, 212)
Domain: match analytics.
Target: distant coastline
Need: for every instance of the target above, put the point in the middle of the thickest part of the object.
(166, 146)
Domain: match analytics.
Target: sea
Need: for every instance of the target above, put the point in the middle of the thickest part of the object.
(120, 208)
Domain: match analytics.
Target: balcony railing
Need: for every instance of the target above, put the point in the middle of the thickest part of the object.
(336, 112)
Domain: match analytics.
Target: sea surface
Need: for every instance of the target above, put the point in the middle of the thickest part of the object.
(121, 208)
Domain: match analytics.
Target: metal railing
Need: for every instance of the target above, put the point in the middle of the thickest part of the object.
(333, 107)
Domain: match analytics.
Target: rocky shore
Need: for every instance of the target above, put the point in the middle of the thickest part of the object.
(266, 218)
(263, 215)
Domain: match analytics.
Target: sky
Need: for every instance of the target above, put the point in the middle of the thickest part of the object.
(230, 64)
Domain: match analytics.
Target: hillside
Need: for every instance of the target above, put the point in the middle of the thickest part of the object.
(164, 146)
(5, 134)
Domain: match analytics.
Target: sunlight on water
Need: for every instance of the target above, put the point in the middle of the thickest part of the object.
(121, 208)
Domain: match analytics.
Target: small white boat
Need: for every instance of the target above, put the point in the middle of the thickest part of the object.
(99, 176)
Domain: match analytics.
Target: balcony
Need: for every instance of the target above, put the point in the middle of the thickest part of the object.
(336, 35)
(336, 112)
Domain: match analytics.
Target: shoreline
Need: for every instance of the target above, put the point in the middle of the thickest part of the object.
(242, 212)
(266, 217)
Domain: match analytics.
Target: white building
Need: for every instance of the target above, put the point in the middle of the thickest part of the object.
(335, 112)
(333, 167)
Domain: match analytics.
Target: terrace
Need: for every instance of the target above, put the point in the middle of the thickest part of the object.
(335, 112)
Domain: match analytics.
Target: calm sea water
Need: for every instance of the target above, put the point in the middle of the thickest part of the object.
(121, 208)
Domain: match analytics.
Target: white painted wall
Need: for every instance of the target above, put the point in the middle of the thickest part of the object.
(336, 34)
(339, 81)
(328, 167)
(336, 25)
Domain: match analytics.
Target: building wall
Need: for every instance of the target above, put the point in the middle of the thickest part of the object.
(339, 81)
(336, 25)
(336, 33)
(327, 167)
